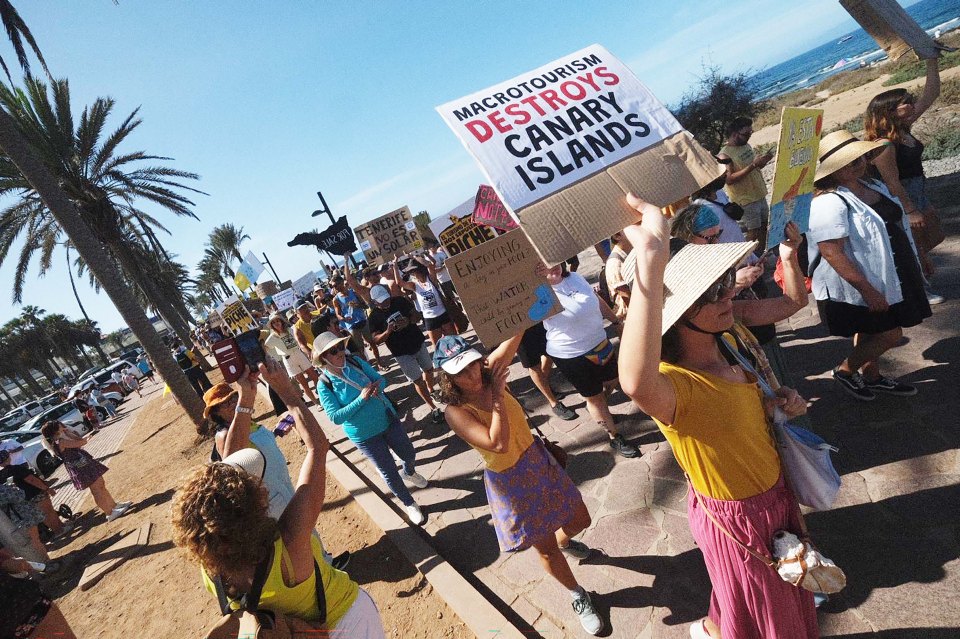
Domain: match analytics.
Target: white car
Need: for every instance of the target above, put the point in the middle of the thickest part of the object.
(66, 413)
(41, 460)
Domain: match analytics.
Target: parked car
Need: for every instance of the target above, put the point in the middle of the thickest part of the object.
(66, 413)
(90, 372)
(123, 365)
(8, 423)
(41, 460)
(109, 387)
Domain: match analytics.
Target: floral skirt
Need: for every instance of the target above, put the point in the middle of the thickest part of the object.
(532, 499)
(82, 467)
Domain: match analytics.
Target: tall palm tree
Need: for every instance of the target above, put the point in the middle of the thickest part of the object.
(223, 245)
(65, 213)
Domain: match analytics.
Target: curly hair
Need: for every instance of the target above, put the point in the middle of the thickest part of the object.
(219, 517)
(881, 119)
(449, 392)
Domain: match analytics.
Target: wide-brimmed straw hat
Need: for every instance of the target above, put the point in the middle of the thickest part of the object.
(840, 148)
(324, 342)
(216, 395)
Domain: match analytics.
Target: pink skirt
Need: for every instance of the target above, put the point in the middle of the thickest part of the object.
(749, 599)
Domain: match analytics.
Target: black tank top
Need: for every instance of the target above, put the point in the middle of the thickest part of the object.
(909, 159)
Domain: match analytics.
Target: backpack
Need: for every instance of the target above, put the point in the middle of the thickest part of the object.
(325, 380)
(251, 622)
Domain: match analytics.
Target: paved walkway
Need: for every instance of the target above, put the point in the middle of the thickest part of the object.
(895, 528)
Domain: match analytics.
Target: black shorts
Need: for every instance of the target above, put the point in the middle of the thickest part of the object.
(587, 378)
(845, 320)
(436, 323)
(533, 346)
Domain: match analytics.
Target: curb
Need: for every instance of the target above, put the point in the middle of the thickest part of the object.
(480, 616)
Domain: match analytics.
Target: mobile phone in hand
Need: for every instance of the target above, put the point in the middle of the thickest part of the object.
(251, 349)
(229, 359)
(284, 426)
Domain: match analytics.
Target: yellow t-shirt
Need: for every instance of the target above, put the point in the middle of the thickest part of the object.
(300, 601)
(719, 435)
(518, 440)
(751, 188)
(304, 327)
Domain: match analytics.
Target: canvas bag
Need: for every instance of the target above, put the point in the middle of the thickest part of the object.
(804, 455)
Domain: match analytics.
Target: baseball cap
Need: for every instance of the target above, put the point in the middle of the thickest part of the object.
(453, 354)
(379, 293)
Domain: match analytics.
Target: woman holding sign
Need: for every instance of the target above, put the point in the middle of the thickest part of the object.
(281, 342)
(436, 319)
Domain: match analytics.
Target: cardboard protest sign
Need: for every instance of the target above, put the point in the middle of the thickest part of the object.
(793, 178)
(893, 28)
(562, 144)
(388, 235)
(457, 232)
(303, 286)
(490, 211)
(499, 288)
(236, 316)
(284, 299)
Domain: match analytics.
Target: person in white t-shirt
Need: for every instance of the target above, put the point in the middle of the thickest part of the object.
(578, 345)
(429, 298)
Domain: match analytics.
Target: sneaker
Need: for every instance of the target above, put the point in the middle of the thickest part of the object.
(341, 561)
(623, 447)
(436, 416)
(124, 504)
(415, 478)
(820, 598)
(577, 550)
(854, 385)
(589, 618)
(417, 518)
(119, 511)
(698, 630)
(890, 387)
(563, 412)
(934, 298)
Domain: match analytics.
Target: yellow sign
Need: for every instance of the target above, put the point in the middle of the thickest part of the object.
(795, 166)
(237, 317)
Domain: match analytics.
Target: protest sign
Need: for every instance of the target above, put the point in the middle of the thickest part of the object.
(337, 239)
(303, 286)
(562, 144)
(284, 299)
(793, 177)
(388, 235)
(248, 271)
(236, 316)
(893, 28)
(490, 211)
(499, 288)
(457, 232)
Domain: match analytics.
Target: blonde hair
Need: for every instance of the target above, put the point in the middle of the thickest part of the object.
(219, 518)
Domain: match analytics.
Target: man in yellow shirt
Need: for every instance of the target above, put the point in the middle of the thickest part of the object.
(745, 184)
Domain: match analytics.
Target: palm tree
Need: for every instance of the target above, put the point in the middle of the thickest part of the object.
(66, 214)
(223, 245)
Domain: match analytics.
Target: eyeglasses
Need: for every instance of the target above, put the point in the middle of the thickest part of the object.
(725, 284)
(711, 239)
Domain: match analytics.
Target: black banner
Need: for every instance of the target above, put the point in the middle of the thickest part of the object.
(336, 240)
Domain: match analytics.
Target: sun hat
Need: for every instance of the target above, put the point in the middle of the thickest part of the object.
(692, 270)
(216, 395)
(840, 148)
(275, 315)
(317, 287)
(379, 294)
(249, 460)
(325, 341)
(453, 354)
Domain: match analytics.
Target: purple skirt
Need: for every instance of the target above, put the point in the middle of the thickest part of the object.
(82, 467)
(530, 500)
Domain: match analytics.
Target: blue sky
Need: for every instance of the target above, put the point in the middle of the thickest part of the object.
(270, 102)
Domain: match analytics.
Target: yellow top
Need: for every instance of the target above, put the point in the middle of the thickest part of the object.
(304, 328)
(300, 601)
(518, 440)
(719, 435)
(751, 188)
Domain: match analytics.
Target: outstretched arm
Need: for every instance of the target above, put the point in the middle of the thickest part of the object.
(639, 363)
(399, 280)
(931, 90)
(504, 352)
(772, 310)
(362, 291)
(496, 436)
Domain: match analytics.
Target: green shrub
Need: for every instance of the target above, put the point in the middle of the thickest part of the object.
(943, 144)
(906, 71)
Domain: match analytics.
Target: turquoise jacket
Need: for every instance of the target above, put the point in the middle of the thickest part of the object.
(361, 419)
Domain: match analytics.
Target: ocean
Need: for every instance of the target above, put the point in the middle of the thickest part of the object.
(846, 52)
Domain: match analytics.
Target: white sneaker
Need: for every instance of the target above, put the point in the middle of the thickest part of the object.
(934, 298)
(698, 630)
(119, 511)
(589, 618)
(417, 518)
(416, 479)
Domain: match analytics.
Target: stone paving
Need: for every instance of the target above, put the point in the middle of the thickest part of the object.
(894, 528)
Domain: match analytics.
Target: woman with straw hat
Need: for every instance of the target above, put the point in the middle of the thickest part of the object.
(281, 342)
(713, 414)
(866, 276)
(352, 394)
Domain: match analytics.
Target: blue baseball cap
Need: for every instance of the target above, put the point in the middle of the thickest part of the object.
(453, 354)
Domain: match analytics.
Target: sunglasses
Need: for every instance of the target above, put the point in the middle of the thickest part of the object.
(711, 239)
(725, 284)
(336, 350)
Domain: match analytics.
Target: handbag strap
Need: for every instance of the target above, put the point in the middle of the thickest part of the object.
(750, 551)
(251, 600)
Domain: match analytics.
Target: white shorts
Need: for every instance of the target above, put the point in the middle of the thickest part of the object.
(296, 363)
(755, 215)
(414, 366)
(362, 621)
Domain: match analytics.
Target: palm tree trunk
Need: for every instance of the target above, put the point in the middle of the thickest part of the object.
(74, 287)
(35, 388)
(66, 214)
(86, 358)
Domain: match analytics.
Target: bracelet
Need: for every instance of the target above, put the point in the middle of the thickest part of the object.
(244, 410)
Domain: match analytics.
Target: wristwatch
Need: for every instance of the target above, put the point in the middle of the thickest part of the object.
(243, 410)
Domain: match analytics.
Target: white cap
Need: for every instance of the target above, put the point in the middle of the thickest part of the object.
(379, 294)
(249, 460)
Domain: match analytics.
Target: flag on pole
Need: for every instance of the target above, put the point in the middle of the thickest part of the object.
(248, 272)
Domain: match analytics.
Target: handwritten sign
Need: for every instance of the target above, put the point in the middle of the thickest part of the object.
(499, 288)
(236, 316)
(795, 166)
(303, 286)
(284, 299)
(490, 211)
(388, 235)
